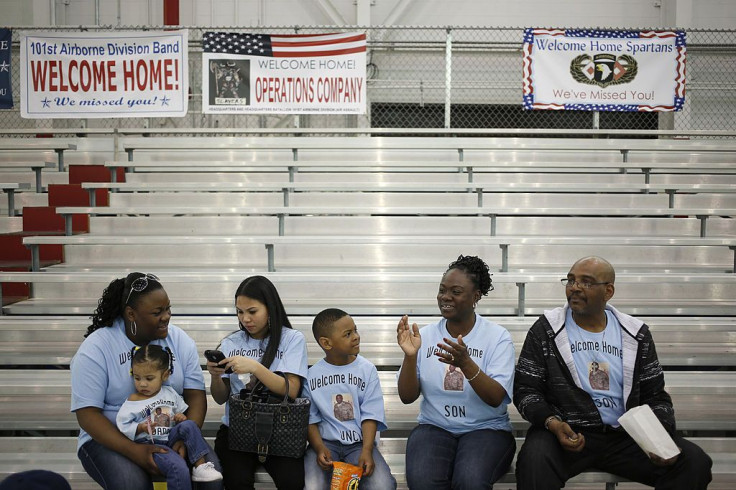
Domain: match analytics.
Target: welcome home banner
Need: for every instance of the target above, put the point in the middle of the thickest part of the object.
(284, 74)
(603, 70)
(104, 74)
(6, 85)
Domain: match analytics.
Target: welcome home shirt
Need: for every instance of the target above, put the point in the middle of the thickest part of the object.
(455, 406)
(343, 397)
(101, 370)
(291, 357)
(159, 409)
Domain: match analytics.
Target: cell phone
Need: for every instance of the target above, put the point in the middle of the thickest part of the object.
(216, 356)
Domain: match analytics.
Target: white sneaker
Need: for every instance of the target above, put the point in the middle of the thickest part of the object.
(206, 472)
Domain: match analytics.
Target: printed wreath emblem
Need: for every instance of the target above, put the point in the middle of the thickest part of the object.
(621, 70)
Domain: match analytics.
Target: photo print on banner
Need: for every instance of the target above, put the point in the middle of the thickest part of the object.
(247, 73)
(600, 70)
(6, 84)
(104, 74)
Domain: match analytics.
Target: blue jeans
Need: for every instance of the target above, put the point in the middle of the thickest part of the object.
(439, 460)
(315, 478)
(173, 466)
(113, 471)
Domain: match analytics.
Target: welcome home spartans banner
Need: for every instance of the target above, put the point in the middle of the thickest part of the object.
(6, 94)
(596, 70)
(284, 74)
(104, 74)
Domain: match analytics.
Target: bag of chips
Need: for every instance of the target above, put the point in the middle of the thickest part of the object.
(345, 476)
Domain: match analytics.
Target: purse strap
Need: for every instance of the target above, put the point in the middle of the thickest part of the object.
(264, 423)
(259, 384)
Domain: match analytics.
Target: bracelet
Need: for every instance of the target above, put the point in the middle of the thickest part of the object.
(549, 419)
(474, 376)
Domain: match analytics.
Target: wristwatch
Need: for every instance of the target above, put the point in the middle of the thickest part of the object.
(548, 419)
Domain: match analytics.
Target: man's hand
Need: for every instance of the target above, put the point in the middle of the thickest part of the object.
(663, 462)
(568, 438)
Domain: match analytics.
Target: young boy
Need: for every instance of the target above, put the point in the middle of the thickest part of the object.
(347, 407)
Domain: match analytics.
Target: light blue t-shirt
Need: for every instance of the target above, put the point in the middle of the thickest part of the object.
(159, 409)
(448, 400)
(291, 357)
(101, 370)
(599, 362)
(343, 397)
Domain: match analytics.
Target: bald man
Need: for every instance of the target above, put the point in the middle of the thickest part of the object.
(559, 389)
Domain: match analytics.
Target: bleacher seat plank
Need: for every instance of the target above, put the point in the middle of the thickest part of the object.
(702, 400)
(385, 188)
(206, 292)
(383, 245)
(10, 189)
(36, 167)
(461, 145)
(38, 145)
(25, 341)
(58, 454)
(281, 212)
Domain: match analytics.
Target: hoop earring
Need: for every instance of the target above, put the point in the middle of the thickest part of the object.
(133, 329)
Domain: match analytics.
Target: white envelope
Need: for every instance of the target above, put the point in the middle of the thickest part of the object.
(648, 432)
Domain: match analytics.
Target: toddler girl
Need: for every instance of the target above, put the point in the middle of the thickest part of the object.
(154, 414)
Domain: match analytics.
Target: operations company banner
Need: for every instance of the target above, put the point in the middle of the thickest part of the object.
(599, 70)
(287, 74)
(6, 85)
(104, 74)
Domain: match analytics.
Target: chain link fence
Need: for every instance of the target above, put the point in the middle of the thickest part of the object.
(419, 77)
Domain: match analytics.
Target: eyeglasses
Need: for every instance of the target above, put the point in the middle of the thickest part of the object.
(141, 284)
(568, 283)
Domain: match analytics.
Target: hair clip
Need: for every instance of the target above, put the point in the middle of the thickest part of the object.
(132, 353)
(140, 284)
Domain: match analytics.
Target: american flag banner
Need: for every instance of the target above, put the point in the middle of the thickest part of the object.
(604, 70)
(283, 74)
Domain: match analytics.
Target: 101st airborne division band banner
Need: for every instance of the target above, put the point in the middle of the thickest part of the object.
(104, 74)
(599, 70)
(247, 73)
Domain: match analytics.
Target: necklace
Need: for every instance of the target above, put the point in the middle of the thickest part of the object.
(595, 352)
(603, 343)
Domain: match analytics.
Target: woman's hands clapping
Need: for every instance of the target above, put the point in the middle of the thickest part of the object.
(408, 338)
(455, 353)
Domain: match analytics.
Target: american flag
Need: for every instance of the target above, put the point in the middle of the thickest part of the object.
(284, 45)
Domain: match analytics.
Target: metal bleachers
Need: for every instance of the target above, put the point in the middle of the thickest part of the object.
(368, 225)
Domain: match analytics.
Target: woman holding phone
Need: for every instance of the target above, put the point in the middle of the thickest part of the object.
(265, 349)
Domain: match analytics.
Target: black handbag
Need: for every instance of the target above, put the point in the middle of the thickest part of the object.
(267, 425)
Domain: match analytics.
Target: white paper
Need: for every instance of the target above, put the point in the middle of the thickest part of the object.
(648, 432)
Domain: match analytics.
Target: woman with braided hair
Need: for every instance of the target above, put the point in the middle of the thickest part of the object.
(133, 311)
(463, 440)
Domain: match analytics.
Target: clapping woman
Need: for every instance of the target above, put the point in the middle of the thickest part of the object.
(463, 440)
